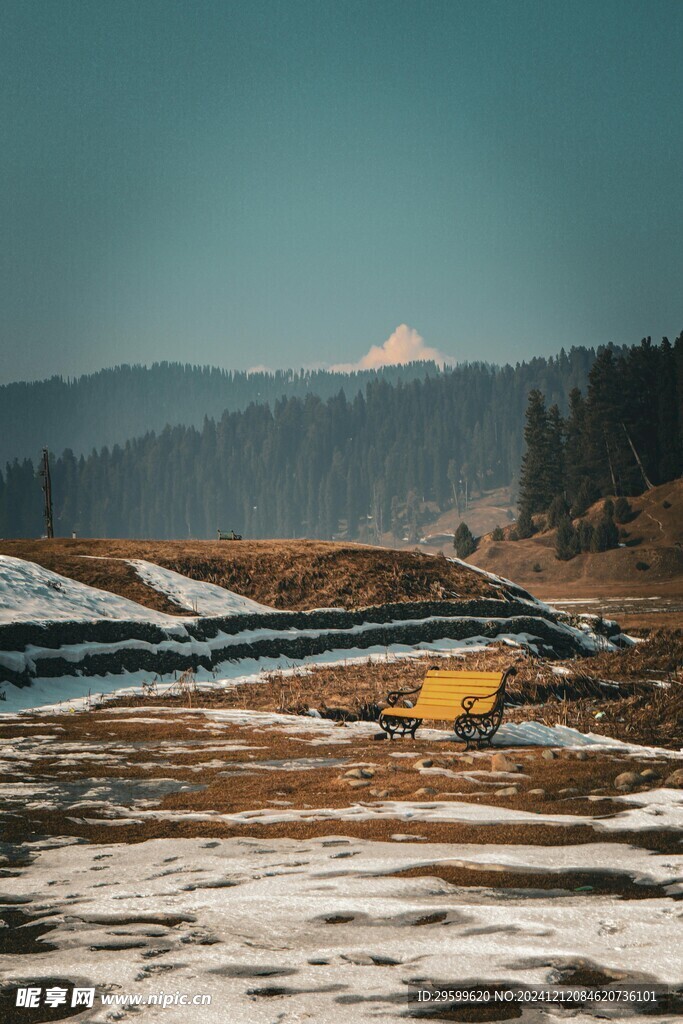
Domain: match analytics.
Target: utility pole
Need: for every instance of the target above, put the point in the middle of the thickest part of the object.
(47, 492)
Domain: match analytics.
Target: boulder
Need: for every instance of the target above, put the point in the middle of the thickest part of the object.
(502, 763)
(675, 780)
(549, 754)
(360, 773)
(507, 791)
(627, 781)
(425, 791)
(424, 762)
(540, 794)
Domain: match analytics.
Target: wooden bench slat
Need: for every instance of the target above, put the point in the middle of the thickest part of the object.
(465, 687)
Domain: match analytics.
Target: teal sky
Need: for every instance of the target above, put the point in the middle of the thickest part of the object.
(284, 183)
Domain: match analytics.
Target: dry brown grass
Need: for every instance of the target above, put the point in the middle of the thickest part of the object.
(236, 784)
(653, 536)
(285, 574)
(640, 711)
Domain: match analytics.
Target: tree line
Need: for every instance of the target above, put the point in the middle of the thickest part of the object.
(355, 466)
(113, 405)
(622, 437)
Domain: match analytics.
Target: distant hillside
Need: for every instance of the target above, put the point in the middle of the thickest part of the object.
(351, 467)
(651, 555)
(114, 405)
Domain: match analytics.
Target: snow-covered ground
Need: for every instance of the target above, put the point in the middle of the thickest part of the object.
(30, 593)
(320, 930)
(195, 595)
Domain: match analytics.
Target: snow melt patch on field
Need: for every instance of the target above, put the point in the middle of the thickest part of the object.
(320, 930)
(30, 593)
(195, 595)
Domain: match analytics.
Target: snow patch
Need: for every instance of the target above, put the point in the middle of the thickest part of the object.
(195, 595)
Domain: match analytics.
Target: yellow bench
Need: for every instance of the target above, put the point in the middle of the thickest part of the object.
(474, 700)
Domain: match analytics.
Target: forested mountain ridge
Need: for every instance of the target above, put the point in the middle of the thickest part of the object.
(115, 405)
(353, 466)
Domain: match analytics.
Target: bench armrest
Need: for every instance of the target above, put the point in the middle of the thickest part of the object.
(468, 702)
(395, 695)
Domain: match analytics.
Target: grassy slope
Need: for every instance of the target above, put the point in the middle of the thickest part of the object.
(284, 574)
(654, 537)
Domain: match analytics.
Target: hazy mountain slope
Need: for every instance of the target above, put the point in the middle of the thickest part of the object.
(113, 405)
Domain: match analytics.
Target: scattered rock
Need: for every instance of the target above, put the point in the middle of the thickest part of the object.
(425, 791)
(569, 791)
(424, 762)
(629, 780)
(507, 791)
(358, 783)
(379, 793)
(649, 774)
(675, 780)
(549, 754)
(540, 794)
(360, 773)
(502, 763)
(581, 755)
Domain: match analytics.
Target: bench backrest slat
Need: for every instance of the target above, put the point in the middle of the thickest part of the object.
(442, 692)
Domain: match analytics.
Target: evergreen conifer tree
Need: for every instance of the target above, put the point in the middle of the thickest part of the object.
(566, 540)
(533, 483)
(525, 524)
(463, 541)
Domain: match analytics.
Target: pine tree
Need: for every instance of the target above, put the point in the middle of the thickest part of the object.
(533, 484)
(463, 541)
(554, 471)
(575, 468)
(585, 535)
(606, 533)
(525, 524)
(566, 540)
(558, 509)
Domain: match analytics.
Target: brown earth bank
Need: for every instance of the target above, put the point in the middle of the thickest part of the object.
(294, 575)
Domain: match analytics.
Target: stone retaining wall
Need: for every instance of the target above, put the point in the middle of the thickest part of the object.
(195, 643)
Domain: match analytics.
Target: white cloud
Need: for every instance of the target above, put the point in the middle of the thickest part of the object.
(405, 345)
